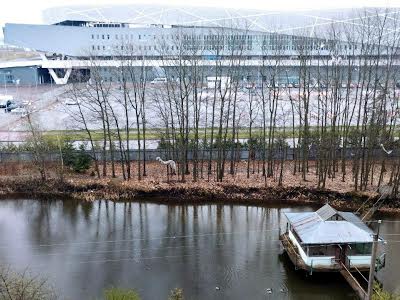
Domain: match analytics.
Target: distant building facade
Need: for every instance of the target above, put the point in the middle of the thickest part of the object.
(163, 35)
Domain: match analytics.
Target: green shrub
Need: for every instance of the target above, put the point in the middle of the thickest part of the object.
(68, 154)
(82, 160)
(176, 294)
(381, 294)
(120, 294)
(23, 286)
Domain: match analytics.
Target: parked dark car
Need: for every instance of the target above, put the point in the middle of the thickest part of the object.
(4, 104)
(10, 106)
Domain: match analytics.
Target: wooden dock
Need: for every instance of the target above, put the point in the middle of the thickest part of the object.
(353, 282)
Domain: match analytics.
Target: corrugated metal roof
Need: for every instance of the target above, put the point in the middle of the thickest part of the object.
(314, 228)
(341, 232)
(326, 212)
(348, 216)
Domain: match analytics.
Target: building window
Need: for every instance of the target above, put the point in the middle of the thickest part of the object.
(102, 36)
(116, 36)
(98, 47)
(140, 37)
(93, 48)
(104, 47)
(108, 36)
(97, 36)
(92, 36)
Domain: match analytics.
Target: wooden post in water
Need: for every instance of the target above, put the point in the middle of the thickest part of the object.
(373, 260)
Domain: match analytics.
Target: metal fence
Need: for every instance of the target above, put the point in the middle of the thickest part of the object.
(151, 154)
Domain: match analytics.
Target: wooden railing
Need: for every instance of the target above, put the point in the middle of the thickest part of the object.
(353, 282)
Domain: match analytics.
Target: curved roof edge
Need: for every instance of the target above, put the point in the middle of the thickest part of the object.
(305, 22)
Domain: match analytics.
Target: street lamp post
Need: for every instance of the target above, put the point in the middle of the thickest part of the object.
(17, 82)
(5, 82)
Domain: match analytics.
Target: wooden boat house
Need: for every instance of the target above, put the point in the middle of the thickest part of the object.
(327, 240)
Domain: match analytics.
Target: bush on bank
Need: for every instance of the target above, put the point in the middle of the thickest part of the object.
(120, 294)
(24, 286)
(381, 294)
(129, 294)
(78, 160)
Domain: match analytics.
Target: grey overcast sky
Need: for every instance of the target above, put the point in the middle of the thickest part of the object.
(30, 11)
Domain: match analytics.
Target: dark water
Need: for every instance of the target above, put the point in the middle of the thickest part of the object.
(84, 248)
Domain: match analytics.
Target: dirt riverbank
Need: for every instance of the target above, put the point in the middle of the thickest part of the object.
(88, 189)
(22, 180)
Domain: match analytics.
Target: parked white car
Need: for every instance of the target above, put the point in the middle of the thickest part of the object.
(158, 80)
(20, 111)
(71, 102)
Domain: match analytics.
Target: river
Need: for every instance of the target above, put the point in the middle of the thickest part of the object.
(211, 251)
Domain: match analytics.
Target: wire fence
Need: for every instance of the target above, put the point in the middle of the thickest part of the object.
(202, 154)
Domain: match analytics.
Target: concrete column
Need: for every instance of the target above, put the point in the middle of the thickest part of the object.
(59, 80)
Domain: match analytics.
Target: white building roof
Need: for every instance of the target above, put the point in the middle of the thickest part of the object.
(304, 22)
(316, 228)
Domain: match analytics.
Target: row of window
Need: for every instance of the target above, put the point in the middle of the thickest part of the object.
(131, 36)
(131, 47)
(109, 25)
(211, 47)
(233, 42)
(230, 46)
(249, 46)
(208, 37)
(268, 41)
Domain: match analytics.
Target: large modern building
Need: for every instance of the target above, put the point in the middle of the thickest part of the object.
(156, 36)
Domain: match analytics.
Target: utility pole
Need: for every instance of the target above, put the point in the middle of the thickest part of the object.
(373, 260)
